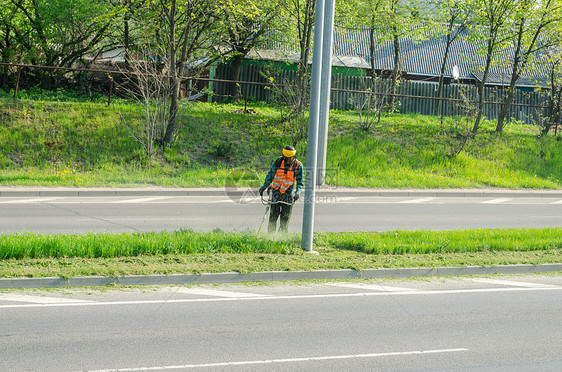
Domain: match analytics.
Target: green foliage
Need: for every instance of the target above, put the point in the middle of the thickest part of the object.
(226, 251)
(454, 241)
(56, 95)
(222, 149)
(24, 246)
(176, 156)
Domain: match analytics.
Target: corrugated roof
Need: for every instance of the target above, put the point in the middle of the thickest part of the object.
(423, 57)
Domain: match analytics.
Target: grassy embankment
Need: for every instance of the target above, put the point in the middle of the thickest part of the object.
(85, 144)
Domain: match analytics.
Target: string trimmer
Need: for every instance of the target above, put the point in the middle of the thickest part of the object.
(268, 203)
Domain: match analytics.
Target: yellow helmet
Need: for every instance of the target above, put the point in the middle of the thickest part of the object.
(289, 151)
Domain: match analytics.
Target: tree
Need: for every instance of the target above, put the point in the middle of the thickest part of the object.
(245, 23)
(7, 42)
(302, 13)
(385, 21)
(59, 33)
(392, 20)
(489, 18)
(372, 106)
(555, 95)
(455, 14)
(183, 28)
(147, 83)
(532, 22)
(126, 10)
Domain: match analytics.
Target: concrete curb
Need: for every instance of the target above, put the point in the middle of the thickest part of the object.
(223, 278)
(237, 193)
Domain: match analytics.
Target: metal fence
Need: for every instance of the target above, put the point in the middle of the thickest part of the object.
(348, 92)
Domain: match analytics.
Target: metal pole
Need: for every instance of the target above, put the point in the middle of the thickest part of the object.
(310, 180)
(329, 11)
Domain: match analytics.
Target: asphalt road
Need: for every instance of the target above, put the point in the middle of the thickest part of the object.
(74, 214)
(476, 324)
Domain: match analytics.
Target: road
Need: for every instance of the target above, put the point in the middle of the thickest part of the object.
(73, 214)
(477, 324)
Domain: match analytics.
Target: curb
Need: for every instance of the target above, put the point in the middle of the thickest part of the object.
(223, 278)
(81, 192)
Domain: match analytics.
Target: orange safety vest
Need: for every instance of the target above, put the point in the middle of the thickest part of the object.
(284, 179)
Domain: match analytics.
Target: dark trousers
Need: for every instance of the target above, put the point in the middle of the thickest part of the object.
(281, 212)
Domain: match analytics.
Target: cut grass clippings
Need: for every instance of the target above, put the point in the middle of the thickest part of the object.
(186, 252)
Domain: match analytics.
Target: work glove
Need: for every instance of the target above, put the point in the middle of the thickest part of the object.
(262, 189)
(295, 197)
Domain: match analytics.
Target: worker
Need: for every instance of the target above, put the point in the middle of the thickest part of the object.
(285, 181)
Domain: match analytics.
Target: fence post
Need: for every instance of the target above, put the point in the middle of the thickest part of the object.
(110, 90)
(246, 98)
(17, 84)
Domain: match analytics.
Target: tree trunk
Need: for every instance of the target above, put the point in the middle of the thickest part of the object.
(302, 73)
(442, 73)
(506, 105)
(235, 68)
(555, 104)
(515, 73)
(480, 108)
(396, 71)
(174, 83)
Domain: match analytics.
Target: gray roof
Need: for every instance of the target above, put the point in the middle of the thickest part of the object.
(423, 57)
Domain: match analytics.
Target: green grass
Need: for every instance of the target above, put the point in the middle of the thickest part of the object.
(96, 245)
(64, 139)
(36, 255)
(81, 142)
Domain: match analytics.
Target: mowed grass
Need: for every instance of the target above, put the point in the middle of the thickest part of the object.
(75, 143)
(36, 255)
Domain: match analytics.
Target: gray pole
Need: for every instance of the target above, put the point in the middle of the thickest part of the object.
(313, 118)
(329, 11)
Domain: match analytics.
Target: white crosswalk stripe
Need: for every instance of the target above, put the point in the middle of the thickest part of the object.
(141, 200)
(213, 292)
(29, 200)
(416, 201)
(512, 283)
(372, 287)
(496, 201)
(39, 299)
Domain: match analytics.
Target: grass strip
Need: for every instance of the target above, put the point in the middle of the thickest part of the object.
(451, 241)
(182, 252)
(100, 245)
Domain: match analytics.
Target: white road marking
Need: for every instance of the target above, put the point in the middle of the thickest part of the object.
(496, 201)
(514, 283)
(557, 202)
(288, 360)
(294, 297)
(25, 201)
(213, 292)
(373, 287)
(141, 200)
(416, 201)
(341, 199)
(39, 299)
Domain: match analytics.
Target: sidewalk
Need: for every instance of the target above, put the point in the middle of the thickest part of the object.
(40, 191)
